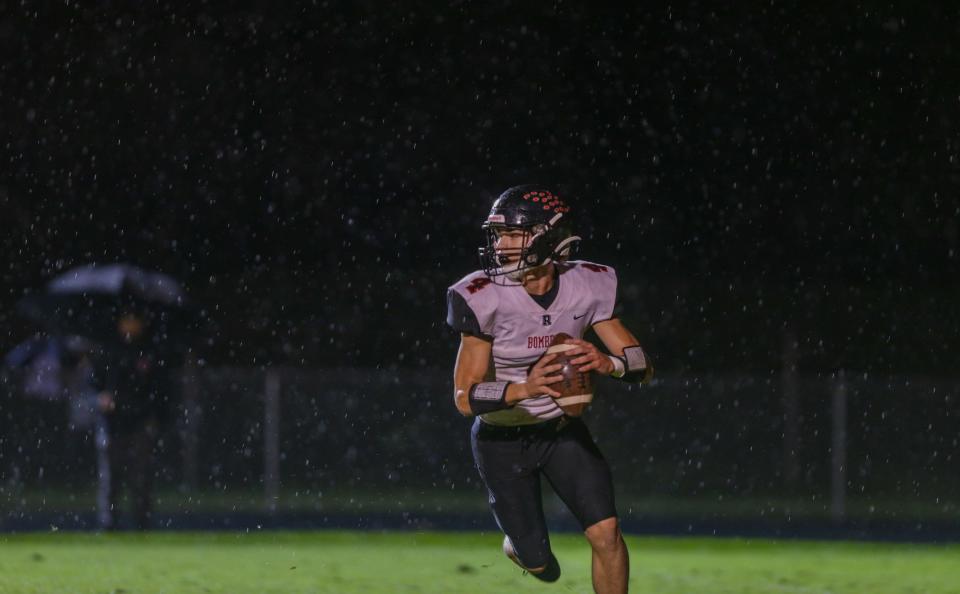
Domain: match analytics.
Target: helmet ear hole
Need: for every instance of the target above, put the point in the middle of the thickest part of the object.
(566, 247)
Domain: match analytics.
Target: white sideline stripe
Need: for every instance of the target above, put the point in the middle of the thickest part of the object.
(579, 399)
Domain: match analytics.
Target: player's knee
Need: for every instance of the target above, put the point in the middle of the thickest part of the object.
(605, 536)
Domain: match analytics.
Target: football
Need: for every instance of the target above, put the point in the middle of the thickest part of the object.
(576, 389)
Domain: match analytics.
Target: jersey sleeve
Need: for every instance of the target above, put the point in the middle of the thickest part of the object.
(617, 305)
(605, 285)
(459, 315)
(472, 305)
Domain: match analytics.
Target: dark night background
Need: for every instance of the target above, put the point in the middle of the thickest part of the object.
(317, 175)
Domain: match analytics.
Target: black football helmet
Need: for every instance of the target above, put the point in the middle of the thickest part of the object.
(544, 217)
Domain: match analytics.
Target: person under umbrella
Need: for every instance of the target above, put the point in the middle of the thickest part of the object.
(141, 321)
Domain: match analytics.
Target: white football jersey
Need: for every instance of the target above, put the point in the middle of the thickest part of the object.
(522, 329)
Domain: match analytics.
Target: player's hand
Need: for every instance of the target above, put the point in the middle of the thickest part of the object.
(541, 375)
(590, 358)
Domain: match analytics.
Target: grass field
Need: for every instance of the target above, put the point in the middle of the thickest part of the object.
(452, 563)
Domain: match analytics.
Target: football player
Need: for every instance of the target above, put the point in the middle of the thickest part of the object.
(507, 314)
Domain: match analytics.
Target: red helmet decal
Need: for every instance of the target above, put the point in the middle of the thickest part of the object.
(548, 199)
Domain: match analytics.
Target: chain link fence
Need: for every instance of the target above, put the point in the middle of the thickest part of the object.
(281, 438)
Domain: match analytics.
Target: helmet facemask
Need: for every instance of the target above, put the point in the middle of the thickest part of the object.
(542, 244)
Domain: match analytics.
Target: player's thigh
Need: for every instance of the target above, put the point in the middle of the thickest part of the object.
(513, 485)
(581, 476)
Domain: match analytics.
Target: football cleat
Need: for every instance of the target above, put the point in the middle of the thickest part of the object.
(550, 573)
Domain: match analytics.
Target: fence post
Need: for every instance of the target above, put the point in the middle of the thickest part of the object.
(791, 411)
(271, 439)
(838, 451)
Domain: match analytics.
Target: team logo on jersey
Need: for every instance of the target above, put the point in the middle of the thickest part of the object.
(546, 319)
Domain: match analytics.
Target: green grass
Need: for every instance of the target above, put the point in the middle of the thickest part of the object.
(452, 563)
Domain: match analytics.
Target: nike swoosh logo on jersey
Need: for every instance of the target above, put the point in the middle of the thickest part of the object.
(578, 317)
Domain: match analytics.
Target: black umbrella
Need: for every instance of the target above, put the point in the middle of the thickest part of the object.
(90, 300)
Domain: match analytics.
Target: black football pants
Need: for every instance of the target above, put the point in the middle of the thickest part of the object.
(511, 461)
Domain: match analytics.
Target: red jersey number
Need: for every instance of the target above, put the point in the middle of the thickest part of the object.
(477, 284)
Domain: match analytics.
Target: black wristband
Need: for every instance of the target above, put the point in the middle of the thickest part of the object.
(488, 397)
(637, 366)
